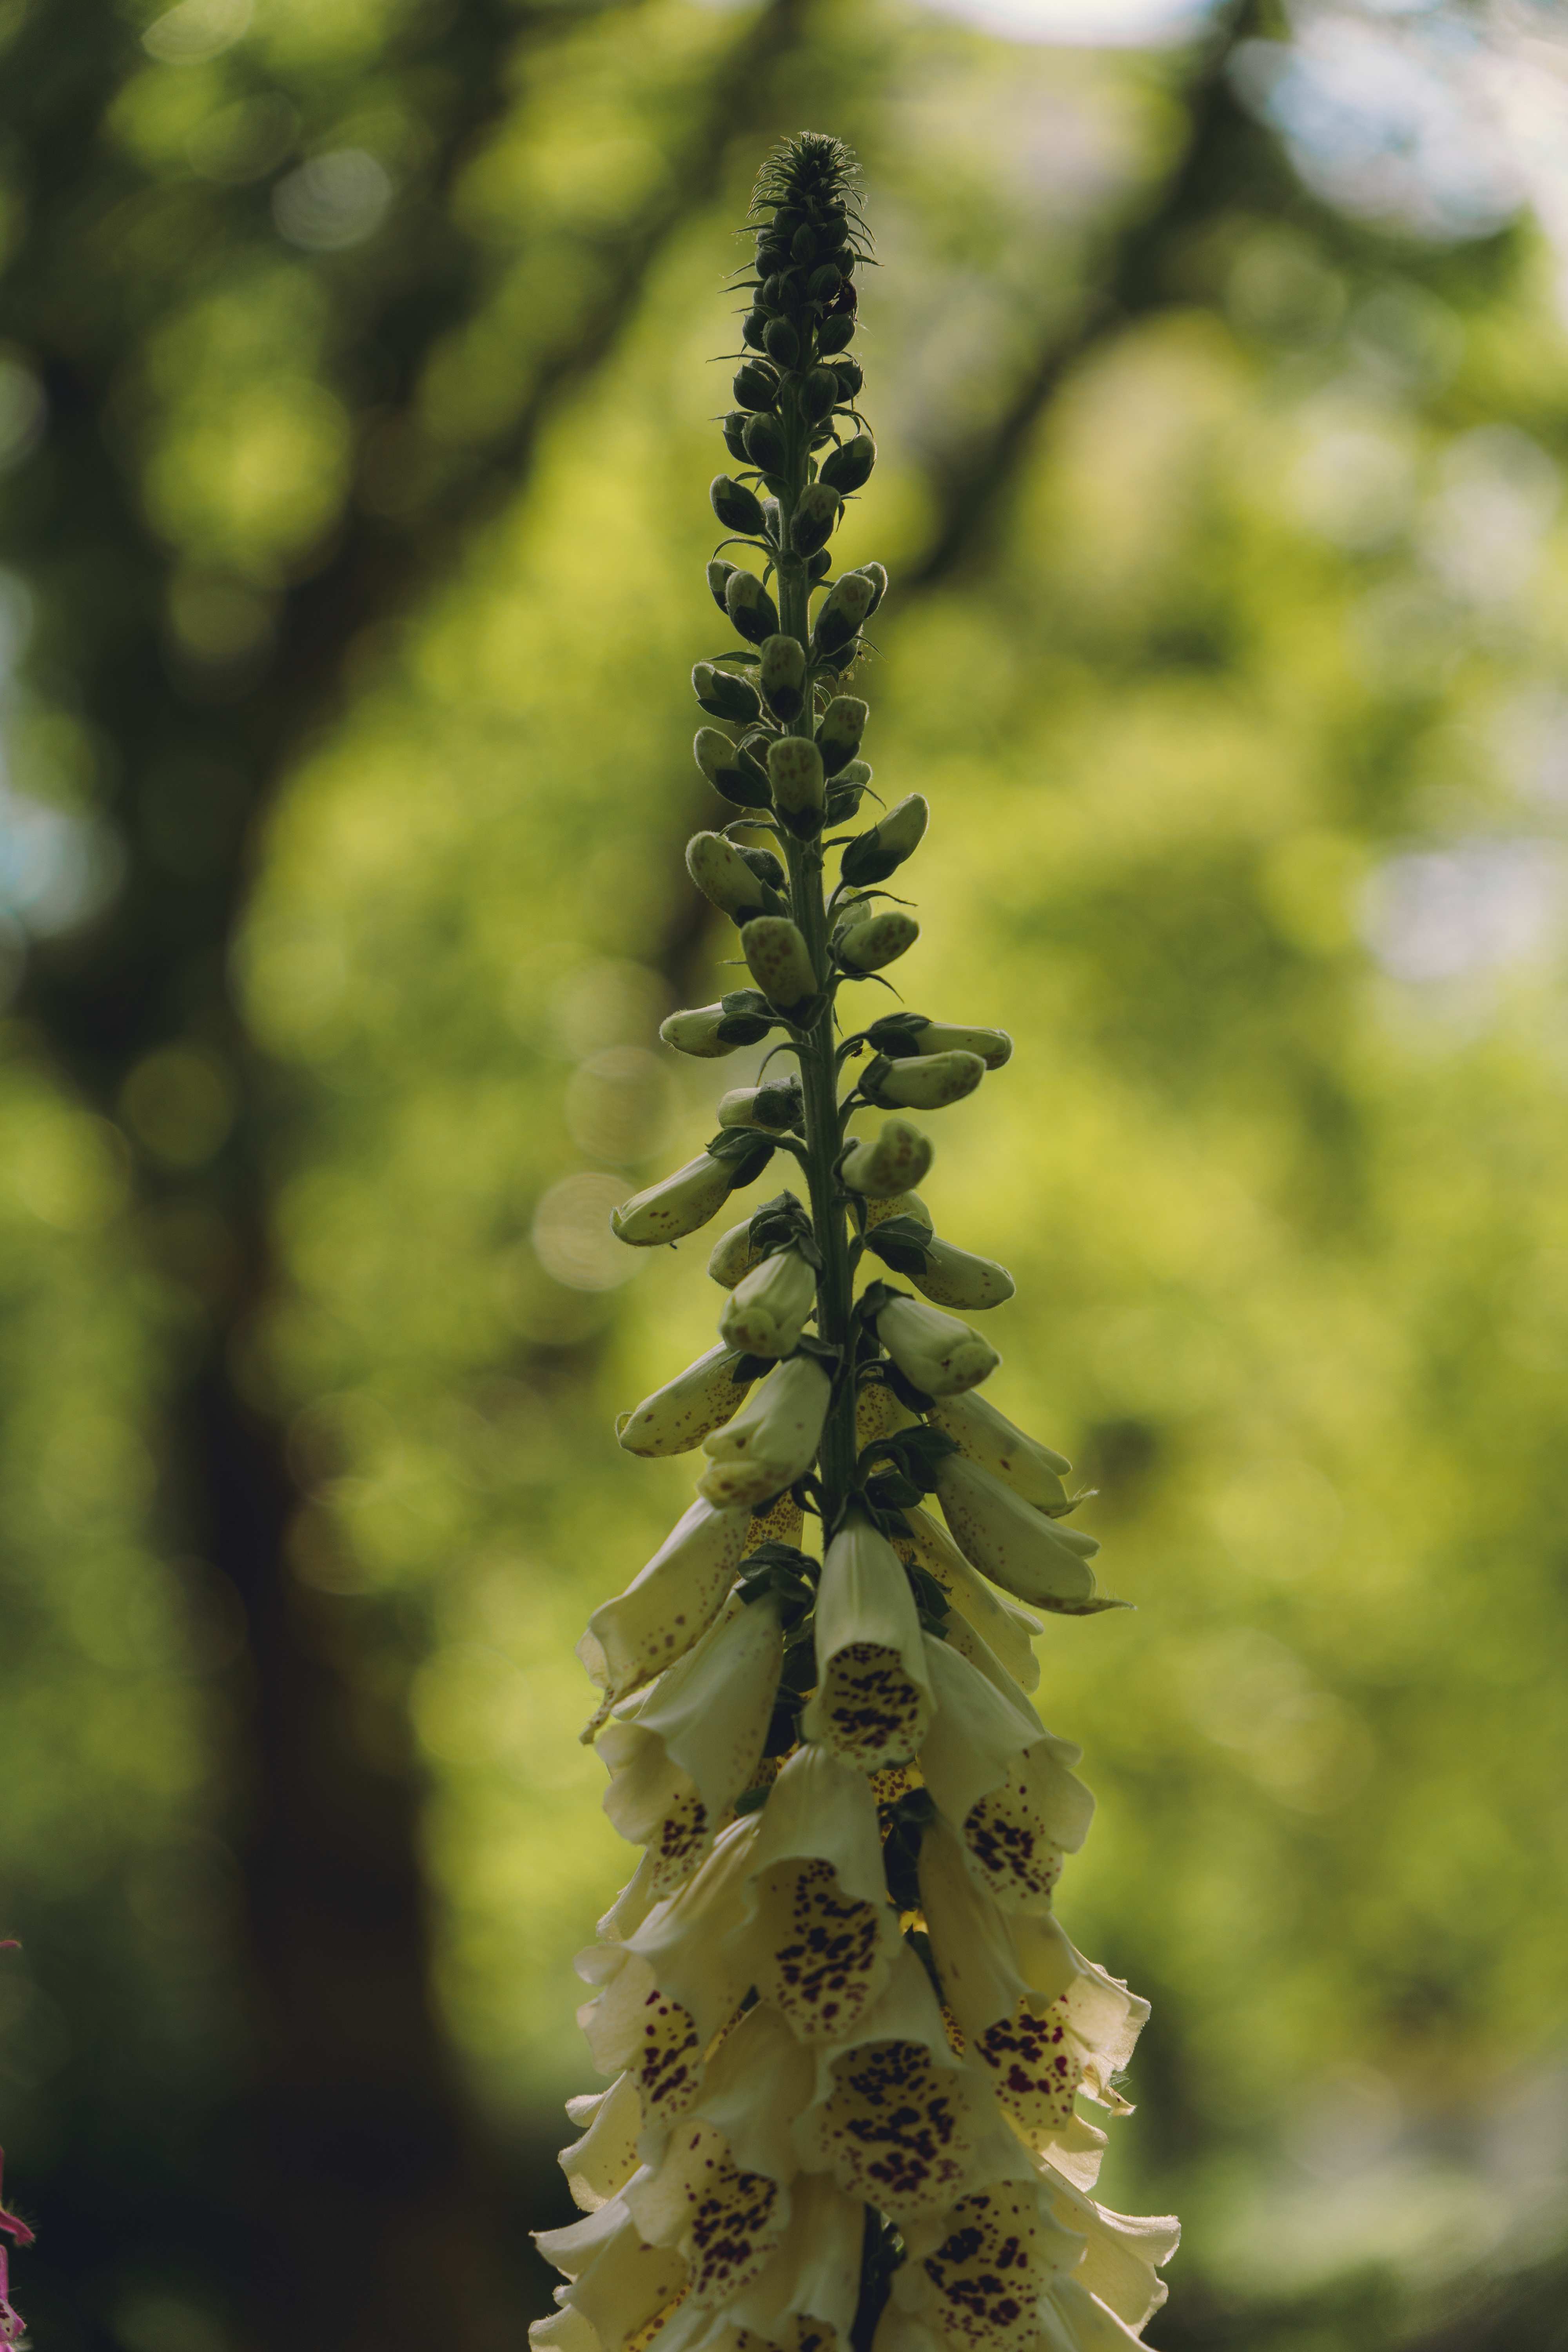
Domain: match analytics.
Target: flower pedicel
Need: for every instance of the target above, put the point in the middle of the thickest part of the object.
(857, 2064)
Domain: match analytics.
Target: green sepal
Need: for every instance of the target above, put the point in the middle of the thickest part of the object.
(742, 1151)
(905, 1823)
(902, 1243)
(898, 1034)
(824, 1351)
(783, 1223)
(748, 1018)
(786, 1573)
(752, 1800)
(914, 1454)
(865, 861)
(843, 802)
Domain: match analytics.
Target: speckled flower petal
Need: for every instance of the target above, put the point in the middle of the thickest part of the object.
(820, 1936)
(599, 2164)
(1008, 1630)
(1045, 1562)
(1005, 1784)
(667, 1606)
(977, 2273)
(872, 1700)
(1123, 2252)
(1071, 2319)
(617, 2281)
(804, 2299)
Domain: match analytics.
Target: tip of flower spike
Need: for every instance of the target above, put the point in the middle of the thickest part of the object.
(809, 171)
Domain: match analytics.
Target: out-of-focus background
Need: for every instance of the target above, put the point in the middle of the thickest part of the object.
(354, 400)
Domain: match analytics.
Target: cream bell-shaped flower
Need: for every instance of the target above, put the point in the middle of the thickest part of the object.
(617, 2285)
(1123, 2252)
(986, 1437)
(700, 1032)
(676, 1205)
(1002, 1783)
(680, 1755)
(733, 1255)
(993, 1046)
(889, 1162)
(768, 1308)
(923, 1081)
(1044, 1562)
(602, 2159)
(1007, 1631)
(956, 1278)
(938, 1353)
(872, 1700)
(974, 2273)
(679, 1415)
(819, 1936)
(898, 2119)
(669, 1605)
(803, 2299)
(673, 1985)
(1071, 2319)
(772, 1441)
(718, 2190)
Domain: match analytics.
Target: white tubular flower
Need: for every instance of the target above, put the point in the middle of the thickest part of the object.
(733, 1255)
(1008, 1632)
(956, 1278)
(618, 2285)
(599, 2164)
(872, 1701)
(1044, 1562)
(940, 1355)
(679, 1757)
(820, 1938)
(719, 2192)
(898, 2120)
(767, 1310)
(1004, 1785)
(1123, 2252)
(773, 1442)
(679, 1415)
(699, 1033)
(672, 1986)
(887, 1164)
(982, 1436)
(676, 1205)
(975, 2273)
(923, 1081)
(993, 1046)
(668, 1605)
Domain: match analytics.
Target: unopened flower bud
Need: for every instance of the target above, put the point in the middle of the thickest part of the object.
(720, 571)
(852, 377)
(737, 508)
(867, 944)
(819, 565)
(885, 1165)
(681, 1414)
(923, 1081)
(723, 876)
(733, 1255)
(781, 674)
(818, 394)
(756, 384)
(845, 607)
(753, 327)
(935, 1351)
(772, 1108)
(899, 1204)
(795, 771)
(848, 468)
(751, 609)
(803, 245)
(733, 428)
(838, 736)
(698, 1033)
(958, 1277)
(836, 334)
(765, 444)
(778, 962)
(815, 518)
(823, 284)
(767, 1310)
(877, 574)
(676, 1205)
(882, 850)
(772, 1440)
(765, 865)
(725, 695)
(781, 342)
(729, 769)
(910, 1032)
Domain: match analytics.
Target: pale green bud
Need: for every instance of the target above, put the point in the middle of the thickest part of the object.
(733, 1255)
(885, 1165)
(955, 1277)
(771, 1108)
(935, 1351)
(781, 675)
(838, 736)
(984, 1436)
(795, 771)
(993, 1046)
(676, 1205)
(883, 849)
(779, 960)
(698, 1033)
(815, 518)
(772, 1441)
(867, 942)
(844, 608)
(768, 1308)
(723, 876)
(899, 1204)
(924, 1082)
(679, 1415)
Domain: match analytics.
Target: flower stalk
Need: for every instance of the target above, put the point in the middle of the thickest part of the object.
(856, 2062)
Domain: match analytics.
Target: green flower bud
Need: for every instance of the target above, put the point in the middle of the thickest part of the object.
(877, 575)
(875, 855)
(838, 736)
(734, 431)
(781, 674)
(845, 607)
(699, 1033)
(885, 1165)
(836, 334)
(850, 466)
(765, 444)
(802, 245)
(765, 865)
(822, 285)
(752, 610)
(723, 876)
(772, 1108)
(687, 1409)
(778, 962)
(725, 695)
(924, 1082)
(820, 565)
(814, 521)
(756, 384)
(735, 506)
(795, 771)
(720, 571)
(875, 939)
(852, 377)
(676, 1205)
(768, 1308)
(781, 342)
(733, 1255)
(818, 392)
(938, 1353)
(731, 768)
(911, 1033)
(753, 327)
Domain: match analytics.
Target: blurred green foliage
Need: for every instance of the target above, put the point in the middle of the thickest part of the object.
(1253, 682)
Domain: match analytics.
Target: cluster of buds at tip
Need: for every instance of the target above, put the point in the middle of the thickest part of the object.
(854, 2064)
